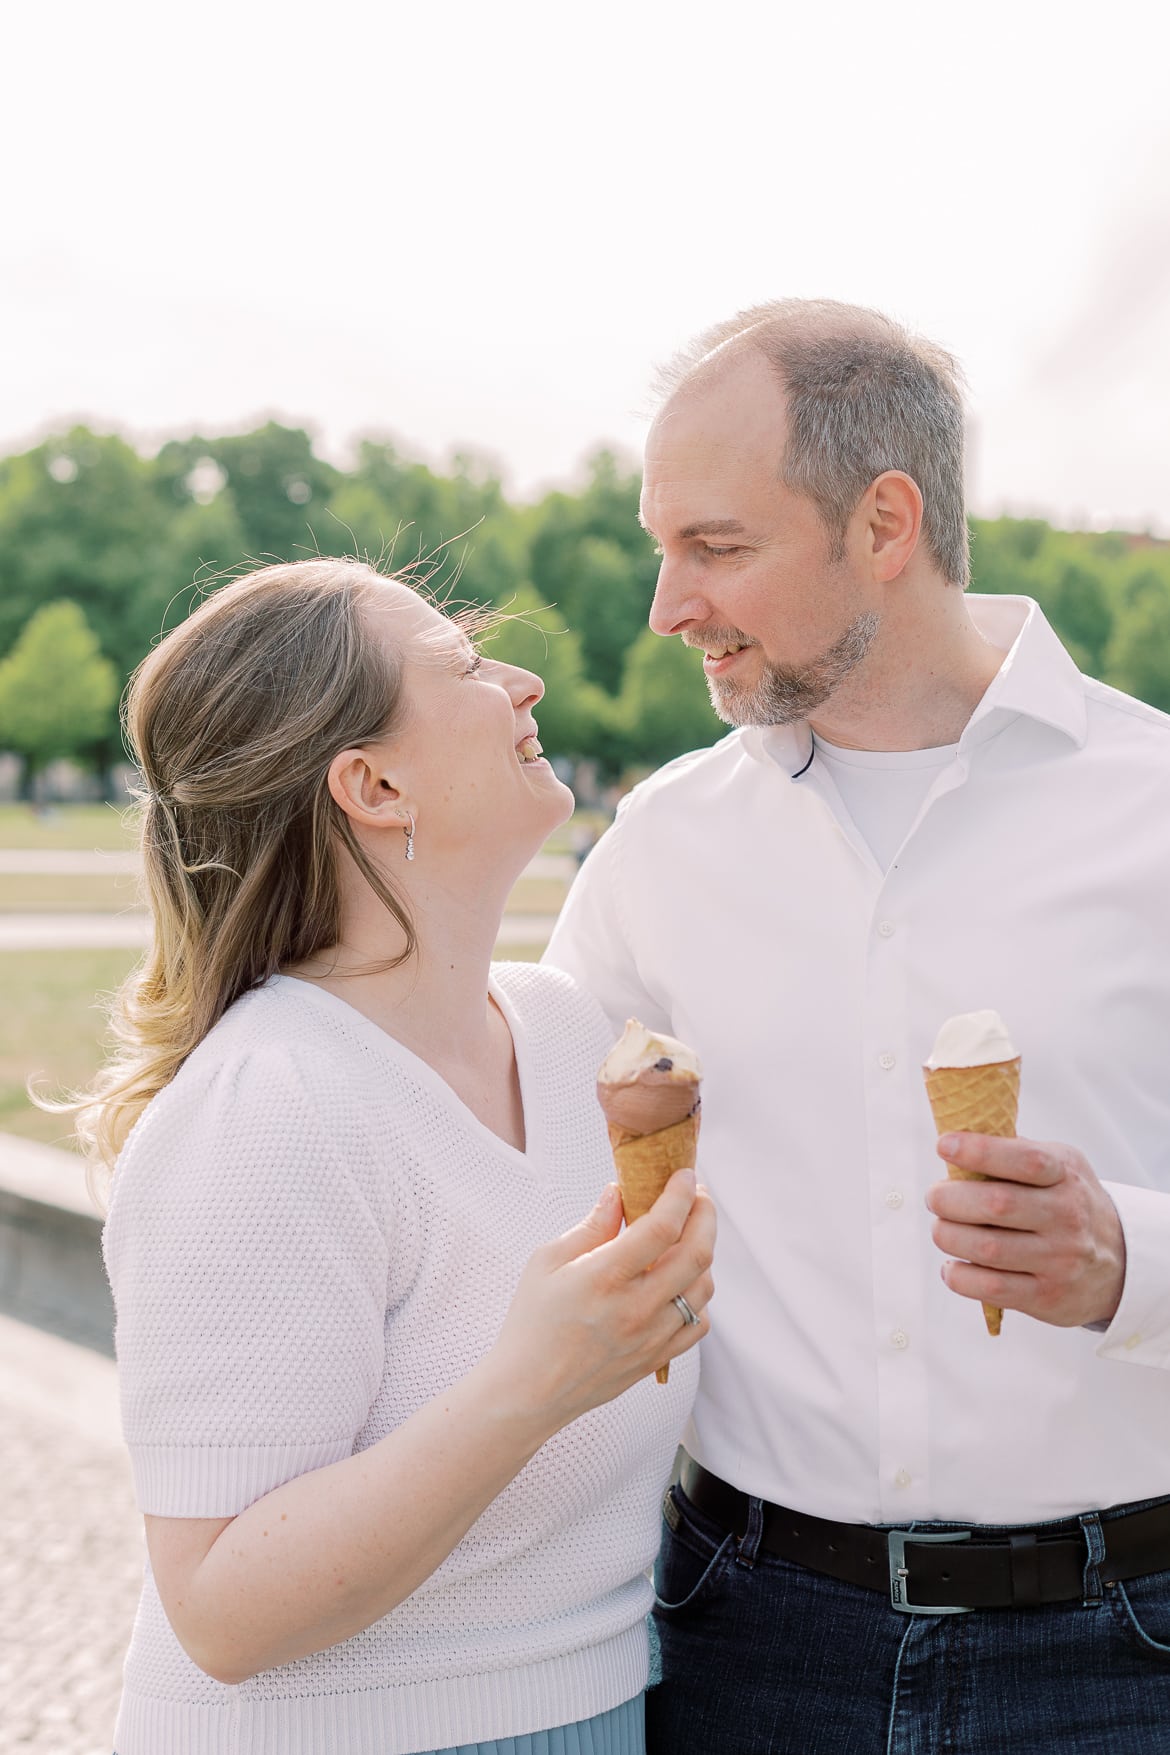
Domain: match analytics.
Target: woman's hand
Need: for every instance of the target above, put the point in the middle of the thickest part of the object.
(594, 1310)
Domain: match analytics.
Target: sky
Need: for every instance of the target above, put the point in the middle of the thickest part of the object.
(479, 227)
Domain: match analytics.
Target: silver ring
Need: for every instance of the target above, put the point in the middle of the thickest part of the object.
(685, 1311)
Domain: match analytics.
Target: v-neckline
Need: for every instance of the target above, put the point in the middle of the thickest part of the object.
(424, 1073)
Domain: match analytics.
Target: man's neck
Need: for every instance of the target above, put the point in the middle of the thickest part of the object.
(919, 685)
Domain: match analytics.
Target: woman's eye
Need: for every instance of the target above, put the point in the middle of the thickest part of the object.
(474, 663)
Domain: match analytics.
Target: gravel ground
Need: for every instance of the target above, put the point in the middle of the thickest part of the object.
(70, 1547)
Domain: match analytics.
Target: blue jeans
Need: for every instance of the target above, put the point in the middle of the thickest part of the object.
(763, 1657)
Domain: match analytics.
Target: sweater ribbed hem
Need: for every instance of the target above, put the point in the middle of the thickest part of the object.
(173, 1480)
(400, 1720)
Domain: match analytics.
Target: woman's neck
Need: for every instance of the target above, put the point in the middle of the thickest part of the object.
(436, 1002)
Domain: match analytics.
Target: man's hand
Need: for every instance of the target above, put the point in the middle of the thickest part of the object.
(1042, 1237)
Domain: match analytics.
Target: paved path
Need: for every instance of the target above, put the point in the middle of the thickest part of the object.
(71, 1547)
(65, 862)
(130, 931)
(47, 861)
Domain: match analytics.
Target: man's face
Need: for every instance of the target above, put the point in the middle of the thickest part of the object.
(749, 573)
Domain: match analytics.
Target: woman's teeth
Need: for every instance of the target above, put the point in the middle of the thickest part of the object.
(529, 750)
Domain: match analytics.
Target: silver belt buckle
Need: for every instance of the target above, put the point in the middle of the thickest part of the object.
(899, 1572)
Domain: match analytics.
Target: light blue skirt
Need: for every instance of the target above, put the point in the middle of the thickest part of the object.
(620, 1732)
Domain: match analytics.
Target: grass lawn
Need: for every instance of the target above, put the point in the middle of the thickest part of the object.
(53, 893)
(533, 896)
(51, 1029)
(90, 827)
(51, 1023)
(83, 828)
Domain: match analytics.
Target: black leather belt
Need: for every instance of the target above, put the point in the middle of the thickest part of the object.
(935, 1572)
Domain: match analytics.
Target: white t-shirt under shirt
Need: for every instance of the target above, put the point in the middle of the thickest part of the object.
(883, 790)
(309, 1237)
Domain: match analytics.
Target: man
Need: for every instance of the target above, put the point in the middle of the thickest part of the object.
(924, 810)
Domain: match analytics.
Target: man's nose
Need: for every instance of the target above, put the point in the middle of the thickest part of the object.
(677, 605)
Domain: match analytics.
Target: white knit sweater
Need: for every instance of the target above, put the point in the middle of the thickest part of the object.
(309, 1237)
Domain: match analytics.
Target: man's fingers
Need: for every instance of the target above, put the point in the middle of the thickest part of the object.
(987, 1246)
(1033, 1162)
(1006, 1204)
(1009, 1291)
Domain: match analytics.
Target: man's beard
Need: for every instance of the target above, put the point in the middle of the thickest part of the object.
(785, 695)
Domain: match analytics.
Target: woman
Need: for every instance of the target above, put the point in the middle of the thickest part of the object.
(399, 1454)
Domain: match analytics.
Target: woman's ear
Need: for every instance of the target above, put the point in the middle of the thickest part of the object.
(362, 786)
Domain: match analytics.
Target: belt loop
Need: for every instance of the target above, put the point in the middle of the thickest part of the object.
(749, 1542)
(1094, 1535)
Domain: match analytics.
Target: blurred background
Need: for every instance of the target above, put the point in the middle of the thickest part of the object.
(276, 282)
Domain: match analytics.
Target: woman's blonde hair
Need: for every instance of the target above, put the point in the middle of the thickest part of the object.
(233, 720)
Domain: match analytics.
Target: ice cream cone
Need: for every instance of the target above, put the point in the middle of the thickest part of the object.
(975, 1099)
(645, 1163)
(648, 1088)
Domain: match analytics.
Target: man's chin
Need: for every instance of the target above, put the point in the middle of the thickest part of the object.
(740, 708)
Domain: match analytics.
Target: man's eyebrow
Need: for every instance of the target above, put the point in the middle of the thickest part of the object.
(704, 527)
(712, 527)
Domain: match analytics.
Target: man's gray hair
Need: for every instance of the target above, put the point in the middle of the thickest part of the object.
(863, 395)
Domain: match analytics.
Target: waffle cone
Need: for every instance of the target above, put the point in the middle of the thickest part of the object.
(975, 1099)
(645, 1163)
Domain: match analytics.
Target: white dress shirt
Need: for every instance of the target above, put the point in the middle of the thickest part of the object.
(735, 904)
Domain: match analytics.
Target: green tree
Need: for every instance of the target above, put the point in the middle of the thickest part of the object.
(279, 487)
(1138, 658)
(80, 519)
(575, 717)
(591, 558)
(57, 692)
(664, 709)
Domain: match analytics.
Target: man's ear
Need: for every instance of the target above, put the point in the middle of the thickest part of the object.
(891, 515)
(362, 785)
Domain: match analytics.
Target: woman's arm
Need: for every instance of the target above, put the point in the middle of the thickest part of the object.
(327, 1554)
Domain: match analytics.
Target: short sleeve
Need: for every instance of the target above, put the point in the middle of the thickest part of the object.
(590, 941)
(249, 1276)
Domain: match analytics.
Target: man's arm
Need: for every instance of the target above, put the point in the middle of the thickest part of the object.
(591, 941)
(1045, 1236)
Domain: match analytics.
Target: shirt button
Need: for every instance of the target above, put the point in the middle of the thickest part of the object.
(902, 1478)
(886, 928)
(899, 1338)
(887, 1061)
(893, 1198)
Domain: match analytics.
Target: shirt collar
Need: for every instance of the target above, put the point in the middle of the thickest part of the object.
(1037, 679)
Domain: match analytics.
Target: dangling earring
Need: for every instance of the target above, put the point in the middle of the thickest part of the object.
(410, 837)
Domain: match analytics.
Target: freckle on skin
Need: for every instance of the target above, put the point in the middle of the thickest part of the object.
(284, 1517)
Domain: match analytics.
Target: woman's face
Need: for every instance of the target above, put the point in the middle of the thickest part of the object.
(466, 747)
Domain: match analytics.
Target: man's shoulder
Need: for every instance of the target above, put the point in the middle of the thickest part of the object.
(693, 774)
(1119, 723)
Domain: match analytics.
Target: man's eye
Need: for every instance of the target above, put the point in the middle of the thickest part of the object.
(710, 548)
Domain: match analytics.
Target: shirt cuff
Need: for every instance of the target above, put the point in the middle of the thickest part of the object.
(1140, 1330)
(187, 1480)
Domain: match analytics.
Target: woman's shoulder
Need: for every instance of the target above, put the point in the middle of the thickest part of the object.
(267, 1070)
(545, 996)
